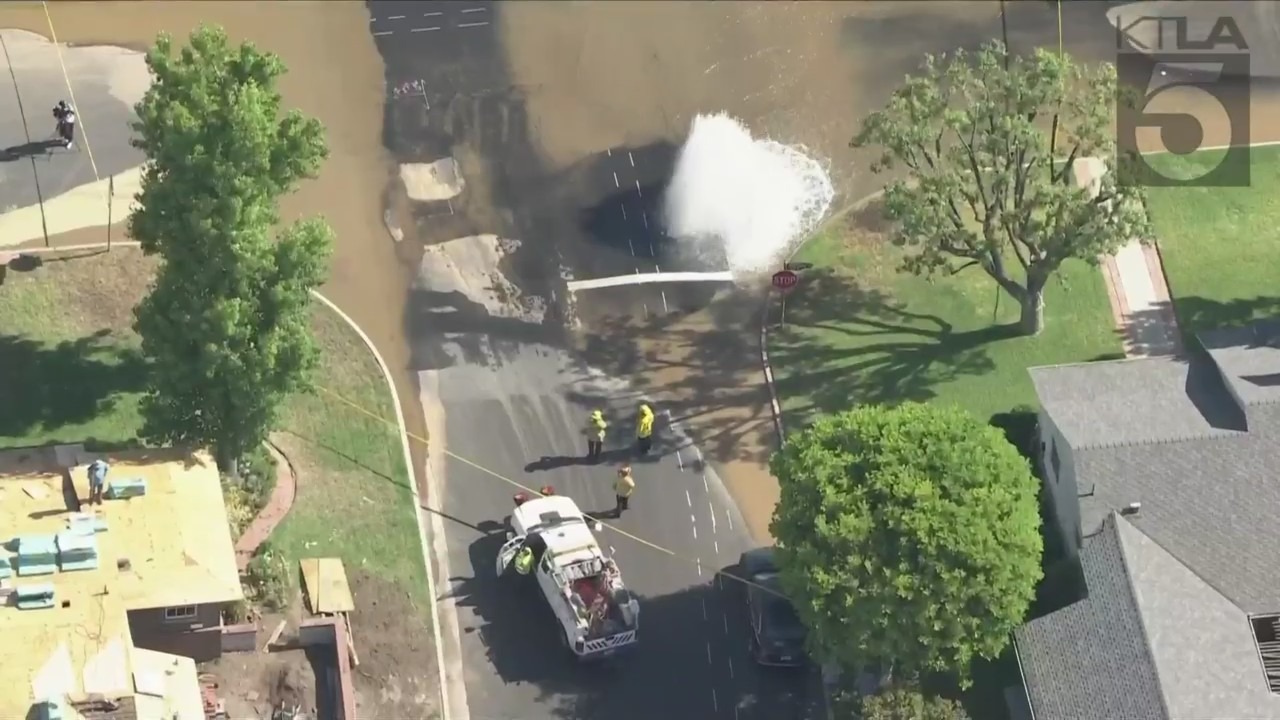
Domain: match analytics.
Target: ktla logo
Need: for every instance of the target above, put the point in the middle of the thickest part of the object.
(1193, 93)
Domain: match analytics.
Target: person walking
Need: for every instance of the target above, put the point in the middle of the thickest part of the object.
(644, 430)
(623, 487)
(66, 119)
(596, 427)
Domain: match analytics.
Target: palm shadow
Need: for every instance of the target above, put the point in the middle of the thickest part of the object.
(47, 387)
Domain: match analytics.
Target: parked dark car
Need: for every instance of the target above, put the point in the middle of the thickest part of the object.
(776, 631)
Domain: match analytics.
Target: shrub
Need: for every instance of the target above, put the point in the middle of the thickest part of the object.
(267, 578)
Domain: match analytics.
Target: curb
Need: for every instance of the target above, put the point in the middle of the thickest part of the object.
(768, 371)
(404, 446)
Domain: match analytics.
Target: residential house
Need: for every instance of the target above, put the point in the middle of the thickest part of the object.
(1163, 474)
(108, 607)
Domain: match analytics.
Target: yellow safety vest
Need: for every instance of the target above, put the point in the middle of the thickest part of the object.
(596, 428)
(524, 561)
(645, 427)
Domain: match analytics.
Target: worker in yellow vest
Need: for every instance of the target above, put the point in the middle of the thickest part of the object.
(596, 427)
(644, 430)
(524, 561)
(623, 487)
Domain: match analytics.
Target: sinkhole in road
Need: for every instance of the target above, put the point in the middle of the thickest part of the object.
(750, 198)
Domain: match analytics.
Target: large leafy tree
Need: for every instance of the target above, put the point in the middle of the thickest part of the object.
(907, 536)
(225, 325)
(990, 146)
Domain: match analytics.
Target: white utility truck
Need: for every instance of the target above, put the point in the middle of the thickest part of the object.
(598, 615)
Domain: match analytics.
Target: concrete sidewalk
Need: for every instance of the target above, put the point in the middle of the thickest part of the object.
(1136, 286)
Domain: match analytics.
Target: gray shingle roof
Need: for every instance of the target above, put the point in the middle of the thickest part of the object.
(1195, 440)
(1151, 642)
(1091, 660)
(1129, 402)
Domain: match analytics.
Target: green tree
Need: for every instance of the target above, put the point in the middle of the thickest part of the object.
(908, 536)
(225, 326)
(904, 702)
(990, 145)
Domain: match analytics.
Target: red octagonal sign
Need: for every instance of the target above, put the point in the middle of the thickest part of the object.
(785, 281)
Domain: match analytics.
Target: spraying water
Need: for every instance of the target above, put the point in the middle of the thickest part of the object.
(752, 198)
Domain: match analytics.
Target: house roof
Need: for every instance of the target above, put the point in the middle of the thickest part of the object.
(179, 549)
(1196, 441)
(1152, 640)
(1169, 433)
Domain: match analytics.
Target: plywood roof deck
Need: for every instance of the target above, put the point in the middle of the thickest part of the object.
(179, 552)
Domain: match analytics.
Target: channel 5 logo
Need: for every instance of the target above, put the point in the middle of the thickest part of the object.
(1191, 76)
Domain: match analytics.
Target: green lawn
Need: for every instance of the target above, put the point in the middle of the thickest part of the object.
(1218, 245)
(70, 372)
(860, 331)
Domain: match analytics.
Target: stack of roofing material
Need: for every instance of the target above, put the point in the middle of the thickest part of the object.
(127, 488)
(86, 524)
(35, 597)
(6, 565)
(37, 555)
(53, 709)
(77, 551)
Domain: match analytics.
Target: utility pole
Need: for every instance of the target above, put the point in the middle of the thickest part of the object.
(1004, 34)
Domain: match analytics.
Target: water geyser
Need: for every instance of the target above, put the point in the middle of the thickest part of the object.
(754, 198)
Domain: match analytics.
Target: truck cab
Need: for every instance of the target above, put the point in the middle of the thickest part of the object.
(598, 614)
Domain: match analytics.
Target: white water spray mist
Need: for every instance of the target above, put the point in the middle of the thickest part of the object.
(752, 197)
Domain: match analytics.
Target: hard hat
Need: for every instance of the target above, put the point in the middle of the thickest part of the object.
(597, 414)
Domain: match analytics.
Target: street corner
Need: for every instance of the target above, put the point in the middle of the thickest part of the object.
(103, 83)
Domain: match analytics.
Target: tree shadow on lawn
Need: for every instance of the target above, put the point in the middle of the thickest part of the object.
(844, 344)
(47, 386)
(1196, 314)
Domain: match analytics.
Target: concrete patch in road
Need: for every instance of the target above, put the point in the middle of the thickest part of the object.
(471, 266)
(432, 182)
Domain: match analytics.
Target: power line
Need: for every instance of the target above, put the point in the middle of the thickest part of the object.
(525, 488)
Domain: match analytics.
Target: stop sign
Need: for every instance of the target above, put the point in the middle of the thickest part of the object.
(785, 281)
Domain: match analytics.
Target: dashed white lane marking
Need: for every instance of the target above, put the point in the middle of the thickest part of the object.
(471, 10)
(695, 530)
(615, 180)
(638, 192)
(698, 451)
(632, 246)
(708, 652)
(475, 24)
(716, 543)
(705, 486)
(665, 309)
(728, 515)
(608, 151)
(731, 673)
(688, 498)
(715, 702)
(424, 29)
(726, 624)
(432, 14)
(704, 608)
(679, 460)
(632, 158)
(645, 217)
(699, 566)
(651, 252)
(624, 212)
(657, 270)
(395, 17)
(712, 508)
(380, 34)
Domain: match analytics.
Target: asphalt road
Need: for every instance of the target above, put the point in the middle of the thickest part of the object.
(503, 393)
(521, 418)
